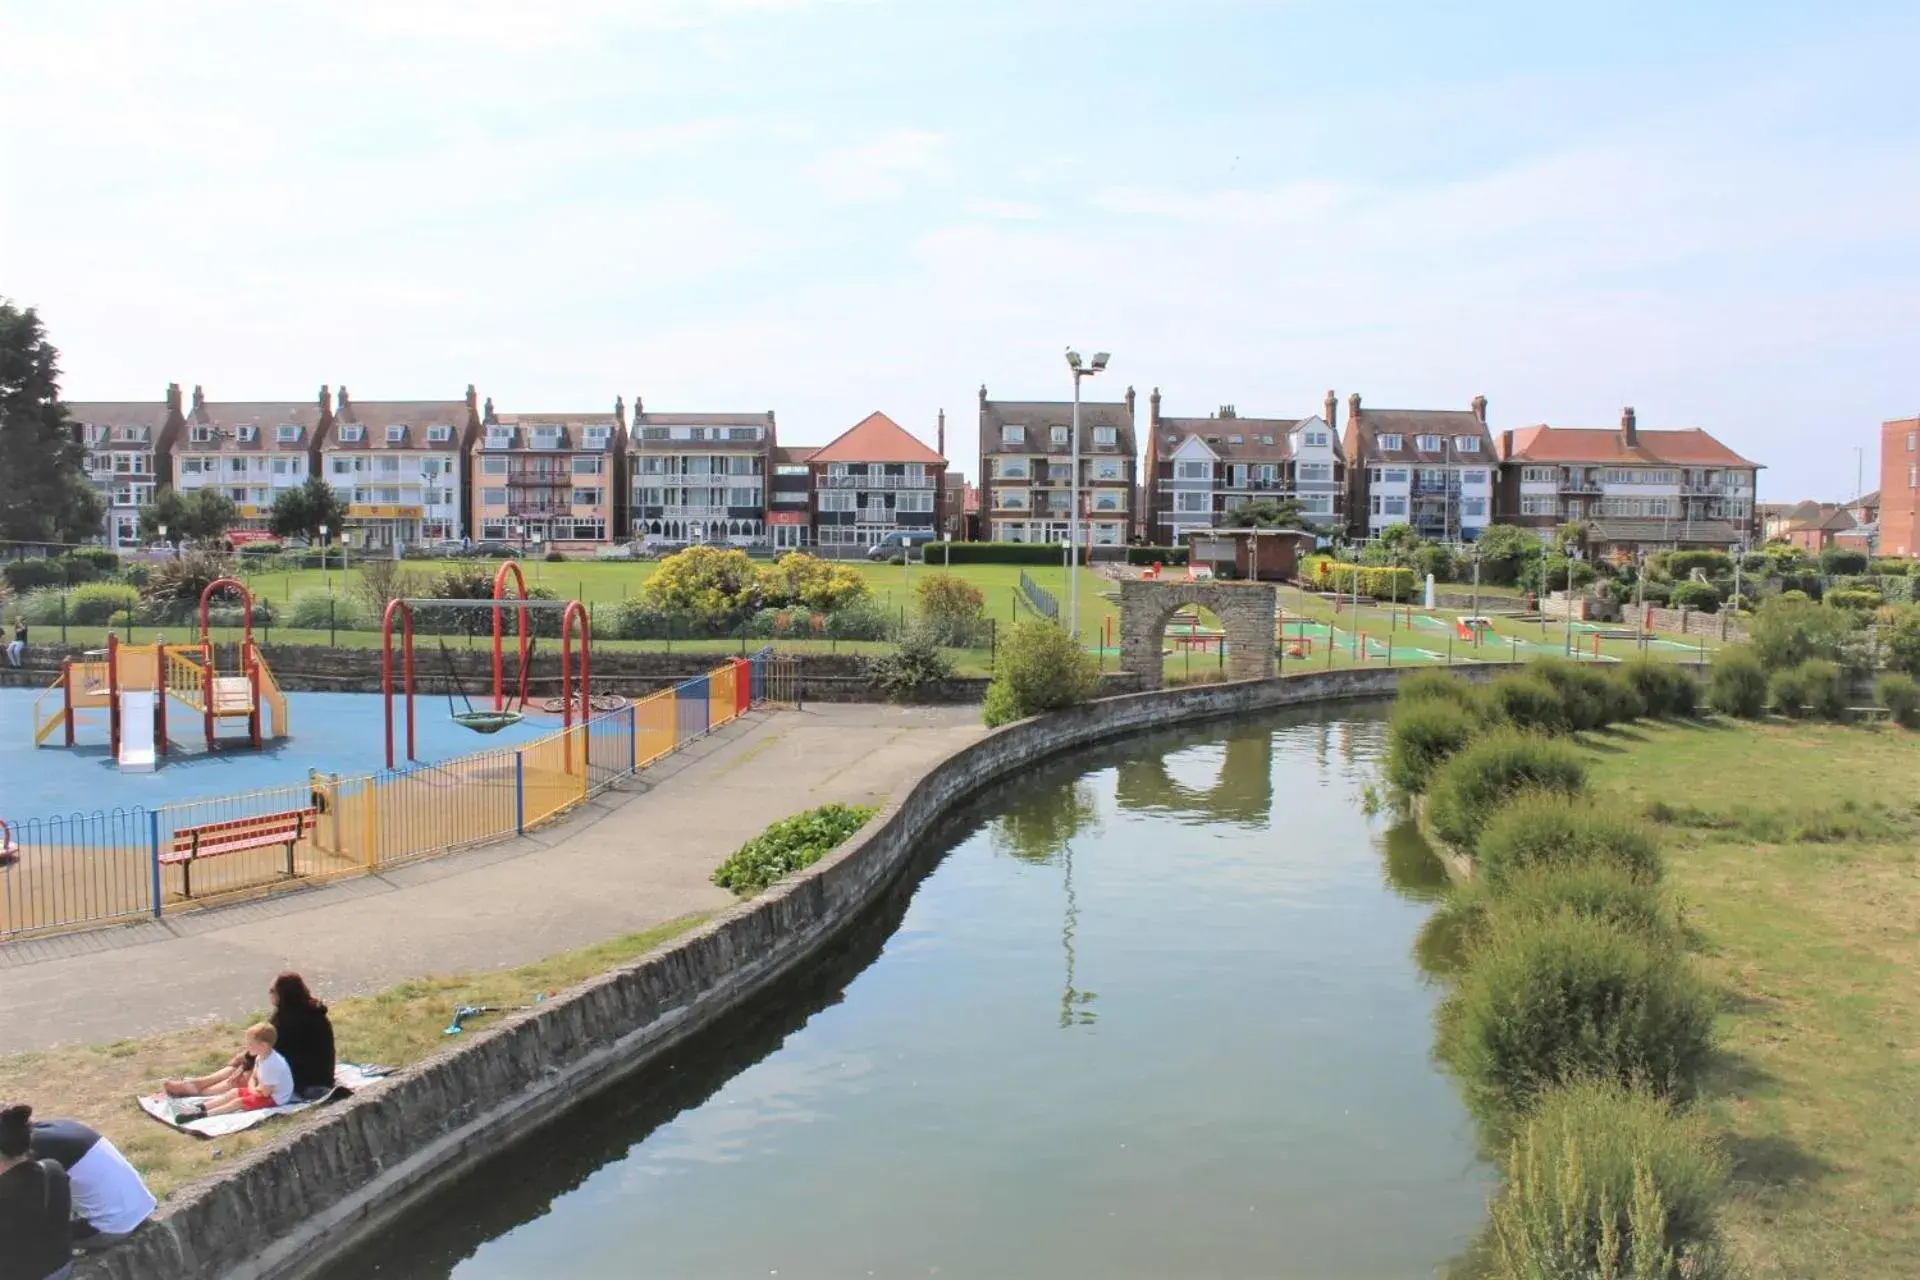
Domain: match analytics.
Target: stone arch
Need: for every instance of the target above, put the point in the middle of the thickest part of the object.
(1246, 611)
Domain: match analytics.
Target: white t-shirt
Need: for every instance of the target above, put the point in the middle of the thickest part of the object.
(273, 1077)
(107, 1193)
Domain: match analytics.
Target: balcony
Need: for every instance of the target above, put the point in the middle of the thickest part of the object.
(1570, 483)
(1705, 489)
(876, 482)
(540, 479)
(523, 507)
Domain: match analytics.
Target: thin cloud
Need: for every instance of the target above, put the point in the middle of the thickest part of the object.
(885, 168)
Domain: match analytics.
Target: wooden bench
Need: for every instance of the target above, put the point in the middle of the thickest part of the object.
(237, 835)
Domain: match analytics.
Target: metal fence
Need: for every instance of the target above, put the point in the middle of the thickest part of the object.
(86, 869)
(1039, 597)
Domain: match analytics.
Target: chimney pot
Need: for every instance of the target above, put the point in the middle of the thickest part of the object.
(199, 398)
(1480, 409)
(940, 435)
(1629, 427)
(1330, 408)
(1353, 406)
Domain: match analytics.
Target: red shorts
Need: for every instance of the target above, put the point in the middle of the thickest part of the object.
(254, 1100)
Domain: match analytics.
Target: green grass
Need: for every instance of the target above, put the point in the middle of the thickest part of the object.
(1796, 849)
(396, 1028)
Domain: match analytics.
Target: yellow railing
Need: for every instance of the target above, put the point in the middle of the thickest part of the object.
(186, 680)
(274, 700)
(45, 722)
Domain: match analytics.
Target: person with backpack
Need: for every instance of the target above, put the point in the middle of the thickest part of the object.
(36, 1201)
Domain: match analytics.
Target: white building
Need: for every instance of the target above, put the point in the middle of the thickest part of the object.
(251, 450)
(400, 465)
(1200, 470)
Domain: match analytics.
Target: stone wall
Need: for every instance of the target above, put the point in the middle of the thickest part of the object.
(1246, 610)
(282, 1211)
(1691, 622)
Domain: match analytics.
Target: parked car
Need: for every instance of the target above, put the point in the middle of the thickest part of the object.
(492, 550)
(901, 544)
(616, 551)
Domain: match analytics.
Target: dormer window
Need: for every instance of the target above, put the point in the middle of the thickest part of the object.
(200, 435)
(1427, 444)
(1236, 439)
(598, 437)
(1391, 442)
(1106, 436)
(351, 434)
(546, 436)
(499, 437)
(396, 435)
(1013, 435)
(249, 434)
(1058, 435)
(286, 433)
(1264, 439)
(743, 433)
(1467, 444)
(439, 433)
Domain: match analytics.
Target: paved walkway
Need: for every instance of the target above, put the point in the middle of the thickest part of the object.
(628, 861)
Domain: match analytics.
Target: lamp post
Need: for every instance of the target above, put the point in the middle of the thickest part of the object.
(1087, 370)
(323, 555)
(1572, 550)
(1476, 595)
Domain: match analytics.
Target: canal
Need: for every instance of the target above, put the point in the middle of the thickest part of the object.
(1152, 1010)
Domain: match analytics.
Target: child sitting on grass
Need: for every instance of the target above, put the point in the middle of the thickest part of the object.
(269, 1084)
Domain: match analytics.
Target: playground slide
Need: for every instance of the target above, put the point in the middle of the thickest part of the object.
(136, 731)
(1466, 632)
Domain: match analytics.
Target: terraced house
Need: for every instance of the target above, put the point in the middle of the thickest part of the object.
(1431, 468)
(548, 479)
(1200, 470)
(1026, 470)
(124, 442)
(1635, 490)
(254, 450)
(703, 477)
(401, 466)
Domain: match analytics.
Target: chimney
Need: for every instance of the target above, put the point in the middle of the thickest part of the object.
(1629, 428)
(199, 399)
(983, 395)
(639, 407)
(325, 400)
(1330, 410)
(1480, 409)
(343, 403)
(1353, 407)
(769, 414)
(940, 435)
(1129, 403)
(1153, 408)
(489, 410)
(173, 397)
(620, 409)
(473, 399)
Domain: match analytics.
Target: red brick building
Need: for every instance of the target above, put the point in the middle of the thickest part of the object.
(1900, 487)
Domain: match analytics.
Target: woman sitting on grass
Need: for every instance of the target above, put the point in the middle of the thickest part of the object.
(269, 1084)
(305, 1041)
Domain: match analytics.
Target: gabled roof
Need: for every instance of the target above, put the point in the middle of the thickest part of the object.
(227, 417)
(718, 443)
(795, 452)
(876, 438)
(413, 417)
(572, 433)
(117, 415)
(1366, 426)
(1039, 415)
(1236, 439)
(1689, 447)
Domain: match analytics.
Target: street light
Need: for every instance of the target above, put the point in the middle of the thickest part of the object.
(323, 548)
(1080, 371)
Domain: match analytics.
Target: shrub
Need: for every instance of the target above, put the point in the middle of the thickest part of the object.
(1008, 553)
(1863, 599)
(1550, 1001)
(1463, 793)
(1039, 668)
(1420, 735)
(953, 608)
(866, 619)
(721, 587)
(1902, 639)
(1841, 560)
(232, 615)
(1591, 888)
(803, 581)
(1787, 631)
(42, 608)
(1379, 581)
(119, 619)
(1738, 683)
(1679, 565)
(1788, 692)
(136, 574)
(915, 663)
(1528, 702)
(1544, 828)
(1156, 555)
(1703, 596)
(1664, 689)
(1443, 686)
(1609, 1181)
(790, 845)
(1826, 689)
(1585, 697)
(174, 586)
(1893, 568)
(317, 610)
(1900, 695)
(26, 575)
(92, 604)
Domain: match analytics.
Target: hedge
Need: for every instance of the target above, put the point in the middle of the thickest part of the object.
(1703, 597)
(1900, 695)
(1000, 553)
(1156, 555)
(1379, 581)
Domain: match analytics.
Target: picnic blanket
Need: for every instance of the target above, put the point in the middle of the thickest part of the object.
(347, 1076)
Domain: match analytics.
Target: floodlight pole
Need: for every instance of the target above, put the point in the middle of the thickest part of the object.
(1073, 523)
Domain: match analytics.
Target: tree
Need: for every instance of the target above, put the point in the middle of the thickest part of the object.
(1504, 551)
(719, 587)
(1039, 668)
(204, 515)
(1903, 641)
(1269, 514)
(952, 608)
(299, 513)
(167, 510)
(1787, 632)
(1571, 534)
(47, 496)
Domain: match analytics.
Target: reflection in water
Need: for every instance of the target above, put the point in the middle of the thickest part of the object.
(1256, 1098)
(1414, 870)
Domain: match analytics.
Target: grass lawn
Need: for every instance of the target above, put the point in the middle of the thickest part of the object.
(1796, 848)
(397, 1027)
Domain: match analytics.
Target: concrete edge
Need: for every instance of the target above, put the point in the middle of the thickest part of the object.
(291, 1208)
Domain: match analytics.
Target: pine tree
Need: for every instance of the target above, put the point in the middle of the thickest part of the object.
(46, 496)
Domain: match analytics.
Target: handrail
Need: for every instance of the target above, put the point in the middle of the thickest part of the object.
(186, 679)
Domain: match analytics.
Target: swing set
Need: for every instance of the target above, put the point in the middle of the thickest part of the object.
(574, 693)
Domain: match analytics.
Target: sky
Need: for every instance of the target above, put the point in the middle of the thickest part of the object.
(1709, 211)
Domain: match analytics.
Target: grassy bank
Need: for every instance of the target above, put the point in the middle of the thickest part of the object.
(396, 1027)
(1797, 851)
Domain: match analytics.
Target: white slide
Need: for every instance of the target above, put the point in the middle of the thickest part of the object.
(136, 731)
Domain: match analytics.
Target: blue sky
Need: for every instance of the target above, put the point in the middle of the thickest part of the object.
(1708, 211)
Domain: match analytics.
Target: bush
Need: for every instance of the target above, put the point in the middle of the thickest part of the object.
(119, 620)
(42, 608)
(1378, 581)
(1738, 683)
(1526, 701)
(798, 580)
(1679, 565)
(317, 610)
(1826, 691)
(1551, 1001)
(1839, 560)
(136, 574)
(954, 609)
(1590, 888)
(1900, 695)
(866, 619)
(232, 615)
(1664, 689)
(1787, 690)
(1893, 568)
(91, 605)
(1443, 686)
(1464, 792)
(1588, 700)
(1540, 829)
(915, 663)
(790, 845)
(720, 587)
(1007, 553)
(1902, 639)
(1701, 596)
(174, 586)
(26, 575)
(1858, 598)
(1423, 733)
(1039, 668)
(1156, 555)
(1787, 631)
(1610, 1181)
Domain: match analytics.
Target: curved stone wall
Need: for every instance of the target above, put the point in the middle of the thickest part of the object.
(283, 1211)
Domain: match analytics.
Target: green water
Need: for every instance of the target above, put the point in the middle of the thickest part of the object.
(1153, 1012)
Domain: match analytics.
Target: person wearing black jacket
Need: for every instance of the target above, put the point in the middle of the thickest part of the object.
(35, 1203)
(306, 1035)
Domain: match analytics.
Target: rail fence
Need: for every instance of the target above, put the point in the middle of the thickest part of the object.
(79, 870)
(1039, 597)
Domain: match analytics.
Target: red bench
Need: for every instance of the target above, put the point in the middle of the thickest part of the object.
(237, 835)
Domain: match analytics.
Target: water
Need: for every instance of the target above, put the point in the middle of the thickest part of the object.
(1157, 1016)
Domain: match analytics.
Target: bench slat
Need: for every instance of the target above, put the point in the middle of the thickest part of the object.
(212, 839)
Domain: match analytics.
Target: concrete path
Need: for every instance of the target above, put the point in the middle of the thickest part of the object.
(630, 860)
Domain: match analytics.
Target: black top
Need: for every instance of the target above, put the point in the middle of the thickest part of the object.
(35, 1201)
(20, 633)
(306, 1041)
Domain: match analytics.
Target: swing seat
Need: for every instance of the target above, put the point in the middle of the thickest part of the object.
(486, 721)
